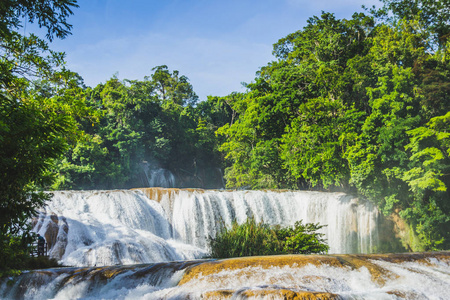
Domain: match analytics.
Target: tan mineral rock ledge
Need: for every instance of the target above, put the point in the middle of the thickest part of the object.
(353, 261)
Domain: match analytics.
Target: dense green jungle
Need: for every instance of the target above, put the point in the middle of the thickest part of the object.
(359, 105)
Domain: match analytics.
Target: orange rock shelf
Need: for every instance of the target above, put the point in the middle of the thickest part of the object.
(244, 268)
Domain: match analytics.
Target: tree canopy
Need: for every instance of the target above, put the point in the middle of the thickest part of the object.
(433, 14)
(150, 124)
(357, 105)
(36, 119)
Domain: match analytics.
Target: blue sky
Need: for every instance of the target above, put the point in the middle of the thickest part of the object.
(216, 44)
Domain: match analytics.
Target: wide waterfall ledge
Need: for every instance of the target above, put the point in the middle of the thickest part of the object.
(119, 227)
(357, 276)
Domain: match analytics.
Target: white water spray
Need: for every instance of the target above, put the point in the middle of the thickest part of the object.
(396, 276)
(96, 228)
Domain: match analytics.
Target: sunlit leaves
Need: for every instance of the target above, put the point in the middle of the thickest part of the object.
(354, 105)
(173, 87)
(433, 14)
(430, 148)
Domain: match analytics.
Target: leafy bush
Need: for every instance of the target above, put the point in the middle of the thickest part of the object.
(302, 239)
(17, 256)
(251, 238)
(42, 262)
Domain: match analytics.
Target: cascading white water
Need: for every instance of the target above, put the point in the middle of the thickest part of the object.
(157, 177)
(351, 227)
(394, 276)
(89, 228)
(109, 228)
(161, 178)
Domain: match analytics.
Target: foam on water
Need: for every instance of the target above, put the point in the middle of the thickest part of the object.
(405, 279)
(110, 228)
(121, 227)
(94, 283)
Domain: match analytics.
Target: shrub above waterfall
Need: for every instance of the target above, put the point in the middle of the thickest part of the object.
(252, 238)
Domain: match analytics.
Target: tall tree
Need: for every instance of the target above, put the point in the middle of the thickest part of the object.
(34, 129)
(173, 87)
(434, 15)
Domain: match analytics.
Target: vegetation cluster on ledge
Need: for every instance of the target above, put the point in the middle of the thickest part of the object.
(252, 239)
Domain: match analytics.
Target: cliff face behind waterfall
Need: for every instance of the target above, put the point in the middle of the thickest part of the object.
(88, 228)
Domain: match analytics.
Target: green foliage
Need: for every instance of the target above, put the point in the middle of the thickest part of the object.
(312, 147)
(41, 262)
(301, 113)
(433, 14)
(247, 239)
(429, 180)
(37, 121)
(251, 238)
(358, 105)
(302, 239)
(150, 123)
(173, 87)
(430, 149)
(16, 255)
(51, 14)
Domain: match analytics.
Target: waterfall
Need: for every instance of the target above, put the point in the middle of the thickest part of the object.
(160, 178)
(351, 227)
(392, 276)
(98, 228)
(156, 177)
